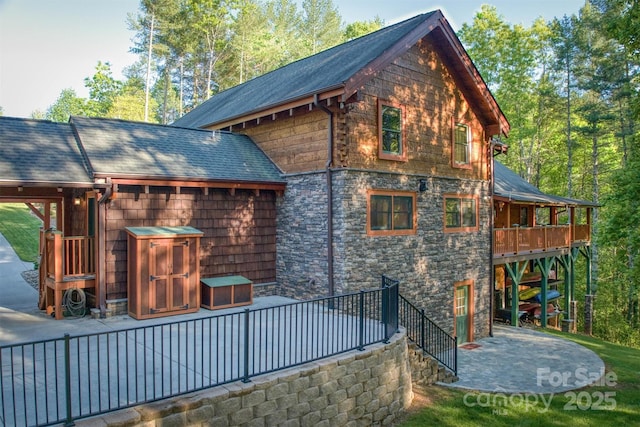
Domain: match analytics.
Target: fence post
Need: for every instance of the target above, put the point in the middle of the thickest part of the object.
(67, 379)
(385, 313)
(246, 379)
(422, 315)
(361, 344)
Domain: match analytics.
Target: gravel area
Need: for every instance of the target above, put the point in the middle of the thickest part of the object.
(31, 277)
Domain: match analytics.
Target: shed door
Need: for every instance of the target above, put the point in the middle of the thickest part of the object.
(168, 275)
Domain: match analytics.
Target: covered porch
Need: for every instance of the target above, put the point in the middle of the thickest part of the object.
(537, 242)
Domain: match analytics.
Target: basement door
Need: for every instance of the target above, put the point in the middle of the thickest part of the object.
(169, 271)
(463, 311)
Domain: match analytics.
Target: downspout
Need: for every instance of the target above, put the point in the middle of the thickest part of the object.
(101, 262)
(327, 168)
(492, 274)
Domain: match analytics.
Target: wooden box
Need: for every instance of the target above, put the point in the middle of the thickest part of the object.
(163, 272)
(224, 292)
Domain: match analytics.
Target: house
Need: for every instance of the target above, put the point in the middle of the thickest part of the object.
(375, 157)
(385, 144)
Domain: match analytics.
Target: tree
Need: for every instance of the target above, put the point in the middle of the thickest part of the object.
(68, 104)
(321, 25)
(103, 89)
(360, 28)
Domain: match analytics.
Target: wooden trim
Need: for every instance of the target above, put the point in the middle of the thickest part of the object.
(403, 145)
(454, 163)
(286, 106)
(471, 306)
(392, 232)
(198, 184)
(465, 62)
(355, 82)
(460, 229)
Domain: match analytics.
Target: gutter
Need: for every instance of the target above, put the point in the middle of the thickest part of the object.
(327, 166)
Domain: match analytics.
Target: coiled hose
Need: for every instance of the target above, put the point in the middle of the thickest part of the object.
(75, 302)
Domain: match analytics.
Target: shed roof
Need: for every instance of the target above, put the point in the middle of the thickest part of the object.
(119, 148)
(510, 186)
(39, 152)
(342, 70)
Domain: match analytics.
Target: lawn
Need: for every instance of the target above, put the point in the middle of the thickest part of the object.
(614, 401)
(21, 228)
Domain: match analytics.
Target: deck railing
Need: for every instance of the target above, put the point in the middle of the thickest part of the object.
(67, 256)
(522, 240)
(428, 336)
(59, 380)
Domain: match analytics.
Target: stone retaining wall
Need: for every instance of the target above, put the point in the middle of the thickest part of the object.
(425, 370)
(367, 388)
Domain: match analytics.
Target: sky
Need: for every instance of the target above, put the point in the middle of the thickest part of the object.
(47, 46)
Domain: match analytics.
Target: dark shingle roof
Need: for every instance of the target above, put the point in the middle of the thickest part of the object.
(121, 148)
(511, 186)
(39, 152)
(325, 70)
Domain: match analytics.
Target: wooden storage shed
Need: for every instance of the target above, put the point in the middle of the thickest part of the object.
(163, 271)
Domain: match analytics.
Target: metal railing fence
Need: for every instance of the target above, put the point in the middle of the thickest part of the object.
(428, 336)
(59, 380)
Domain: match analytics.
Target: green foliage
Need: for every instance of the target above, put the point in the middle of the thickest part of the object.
(103, 90)
(361, 28)
(68, 104)
(21, 229)
(570, 91)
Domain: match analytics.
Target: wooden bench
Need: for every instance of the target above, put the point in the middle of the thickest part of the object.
(224, 292)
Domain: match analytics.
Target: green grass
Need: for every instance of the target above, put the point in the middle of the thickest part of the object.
(21, 229)
(616, 403)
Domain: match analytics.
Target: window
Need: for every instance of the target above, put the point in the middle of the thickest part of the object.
(460, 213)
(391, 131)
(391, 213)
(461, 145)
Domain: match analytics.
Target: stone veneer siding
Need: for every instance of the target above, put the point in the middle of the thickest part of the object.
(427, 264)
(358, 388)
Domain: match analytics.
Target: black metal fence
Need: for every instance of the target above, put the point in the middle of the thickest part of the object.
(428, 336)
(59, 380)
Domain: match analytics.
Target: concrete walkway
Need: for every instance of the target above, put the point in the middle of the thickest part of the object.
(522, 360)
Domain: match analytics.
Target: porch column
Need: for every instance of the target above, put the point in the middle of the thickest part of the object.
(515, 272)
(589, 296)
(101, 263)
(545, 265)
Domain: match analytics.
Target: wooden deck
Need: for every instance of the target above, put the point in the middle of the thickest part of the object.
(508, 242)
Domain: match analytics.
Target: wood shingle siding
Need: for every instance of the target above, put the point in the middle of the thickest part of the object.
(419, 82)
(239, 230)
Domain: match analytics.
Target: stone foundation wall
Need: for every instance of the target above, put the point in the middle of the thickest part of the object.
(359, 388)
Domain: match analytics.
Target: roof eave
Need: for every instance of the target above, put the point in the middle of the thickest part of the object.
(299, 101)
(131, 179)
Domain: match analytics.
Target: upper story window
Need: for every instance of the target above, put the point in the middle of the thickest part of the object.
(461, 145)
(460, 213)
(391, 213)
(391, 131)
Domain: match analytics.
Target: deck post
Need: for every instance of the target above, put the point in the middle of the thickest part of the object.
(58, 257)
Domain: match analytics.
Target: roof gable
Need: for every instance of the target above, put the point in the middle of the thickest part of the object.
(118, 148)
(342, 70)
(39, 152)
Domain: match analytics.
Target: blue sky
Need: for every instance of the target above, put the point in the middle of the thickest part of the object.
(50, 45)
